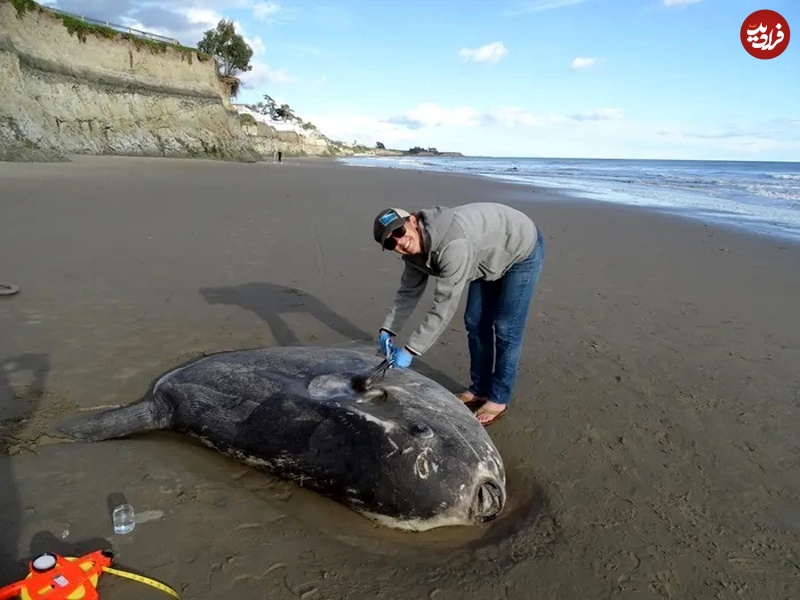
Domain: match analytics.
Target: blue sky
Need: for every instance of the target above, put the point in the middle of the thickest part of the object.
(562, 78)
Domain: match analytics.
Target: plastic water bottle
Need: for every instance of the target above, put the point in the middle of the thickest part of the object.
(124, 519)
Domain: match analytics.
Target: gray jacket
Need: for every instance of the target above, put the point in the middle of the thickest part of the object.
(462, 244)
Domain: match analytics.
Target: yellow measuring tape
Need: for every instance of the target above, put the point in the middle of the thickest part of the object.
(145, 580)
(55, 577)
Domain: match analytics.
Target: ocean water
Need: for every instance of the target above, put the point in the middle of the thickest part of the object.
(760, 197)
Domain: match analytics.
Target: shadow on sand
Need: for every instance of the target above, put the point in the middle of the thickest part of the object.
(15, 410)
(45, 541)
(271, 301)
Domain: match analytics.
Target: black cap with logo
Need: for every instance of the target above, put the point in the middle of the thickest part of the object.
(387, 221)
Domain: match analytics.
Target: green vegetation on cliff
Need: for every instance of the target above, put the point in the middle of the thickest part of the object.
(269, 108)
(233, 54)
(82, 28)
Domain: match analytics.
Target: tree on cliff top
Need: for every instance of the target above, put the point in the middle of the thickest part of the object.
(233, 54)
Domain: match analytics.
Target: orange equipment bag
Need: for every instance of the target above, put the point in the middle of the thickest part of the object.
(55, 577)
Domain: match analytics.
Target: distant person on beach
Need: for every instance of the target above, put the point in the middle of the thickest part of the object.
(494, 251)
(280, 155)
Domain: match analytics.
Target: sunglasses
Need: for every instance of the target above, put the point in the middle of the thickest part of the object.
(390, 243)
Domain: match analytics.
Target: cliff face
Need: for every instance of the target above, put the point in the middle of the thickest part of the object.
(61, 95)
(270, 137)
(267, 140)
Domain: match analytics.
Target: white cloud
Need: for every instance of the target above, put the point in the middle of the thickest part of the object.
(264, 10)
(433, 115)
(600, 114)
(672, 3)
(542, 5)
(730, 142)
(428, 124)
(262, 74)
(584, 62)
(512, 116)
(489, 53)
(206, 17)
(415, 127)
(272, 13)
(303, 50)
(514, 131)
(138, 26)
(256, 44)
(364, 129)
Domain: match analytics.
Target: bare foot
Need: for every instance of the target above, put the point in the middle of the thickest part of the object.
(468, 397)
(490, 412)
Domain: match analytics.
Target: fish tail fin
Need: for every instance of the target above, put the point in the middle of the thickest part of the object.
(148, 414)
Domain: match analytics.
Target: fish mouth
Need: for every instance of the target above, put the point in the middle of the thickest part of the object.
(488, 501)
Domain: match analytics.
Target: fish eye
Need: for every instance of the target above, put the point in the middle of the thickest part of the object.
(420, 430)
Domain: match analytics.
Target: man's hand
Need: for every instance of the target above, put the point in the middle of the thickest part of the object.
(401, 358)
(385, 343)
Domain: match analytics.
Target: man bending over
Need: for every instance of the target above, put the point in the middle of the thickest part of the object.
(494, 251)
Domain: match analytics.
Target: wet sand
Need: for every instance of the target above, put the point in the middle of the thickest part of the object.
(651, 448)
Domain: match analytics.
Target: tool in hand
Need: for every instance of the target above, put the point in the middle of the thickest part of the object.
(361, 383)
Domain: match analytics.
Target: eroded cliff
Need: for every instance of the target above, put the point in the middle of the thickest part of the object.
(63, 93)
(270, 137)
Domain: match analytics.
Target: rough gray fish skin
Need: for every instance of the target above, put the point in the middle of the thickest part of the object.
(406, 453)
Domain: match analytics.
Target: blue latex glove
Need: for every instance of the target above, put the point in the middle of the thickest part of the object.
(401, 358)
(385, 343)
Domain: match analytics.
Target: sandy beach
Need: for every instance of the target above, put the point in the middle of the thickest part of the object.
(651, 448)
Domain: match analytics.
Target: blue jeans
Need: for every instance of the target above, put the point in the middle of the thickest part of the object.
(495, 319)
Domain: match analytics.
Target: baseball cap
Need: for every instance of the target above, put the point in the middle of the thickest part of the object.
(387, 221)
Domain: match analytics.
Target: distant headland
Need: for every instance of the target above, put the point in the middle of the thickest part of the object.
(381, 150)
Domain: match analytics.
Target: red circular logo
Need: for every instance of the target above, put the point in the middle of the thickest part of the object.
(765, 34)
